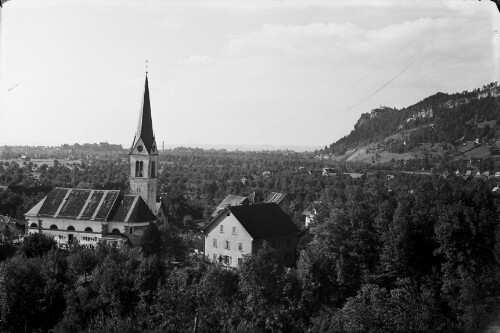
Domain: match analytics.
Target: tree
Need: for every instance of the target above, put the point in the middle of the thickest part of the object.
(82, 260)
(37, 244)
(151, 242)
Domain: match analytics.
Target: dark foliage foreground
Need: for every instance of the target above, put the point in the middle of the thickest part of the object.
(383, 256)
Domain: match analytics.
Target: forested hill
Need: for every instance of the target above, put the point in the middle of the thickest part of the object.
(440, 118)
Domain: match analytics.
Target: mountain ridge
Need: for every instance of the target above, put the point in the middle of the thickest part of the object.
(445, 122)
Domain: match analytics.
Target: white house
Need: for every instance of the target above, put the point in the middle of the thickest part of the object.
(242, 230)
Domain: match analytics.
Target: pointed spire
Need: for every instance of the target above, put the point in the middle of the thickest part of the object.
(145, 125)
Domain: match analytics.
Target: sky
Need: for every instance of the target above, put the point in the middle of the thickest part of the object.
(231, 72)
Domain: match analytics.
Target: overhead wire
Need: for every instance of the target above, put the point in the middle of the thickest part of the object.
(409, 63)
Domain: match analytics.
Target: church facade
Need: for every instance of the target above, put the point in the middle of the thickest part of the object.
(87, 216)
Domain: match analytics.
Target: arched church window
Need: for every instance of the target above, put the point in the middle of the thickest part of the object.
(53, 227)
(88, 229)
(71, 228)
(141, 168)
(34, 225)
(115, 231)
(137, 168)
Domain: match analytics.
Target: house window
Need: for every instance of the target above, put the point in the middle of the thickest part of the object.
(227, 245)
(214, 257)
(227, 260)
(240, 261)
(234, 230)
(153, 169)
(131, 229)
(141, 168)
(137, 168)
(221, 228)
(240, 246)
(214, 242)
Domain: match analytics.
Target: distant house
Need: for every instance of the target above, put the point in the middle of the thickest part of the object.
(88, 216)
(233, 200)
(446, 174)
(496, 189)
(497, 174)
(467, 177)
(310, 214)
(281, 199)
(268, 173)
(354, 175)
(246, 179)
(328, 172)
(242, 230)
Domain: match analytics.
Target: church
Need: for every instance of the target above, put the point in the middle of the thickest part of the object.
(87, 216)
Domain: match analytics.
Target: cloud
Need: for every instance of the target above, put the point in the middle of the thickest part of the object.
(196, 60)
(346, 42)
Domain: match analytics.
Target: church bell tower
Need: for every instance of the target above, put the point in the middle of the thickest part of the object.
(144, 156)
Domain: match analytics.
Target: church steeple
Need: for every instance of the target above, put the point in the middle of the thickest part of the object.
(145, 124)
(144, 159)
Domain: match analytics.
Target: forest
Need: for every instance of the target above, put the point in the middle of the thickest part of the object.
(410, 253)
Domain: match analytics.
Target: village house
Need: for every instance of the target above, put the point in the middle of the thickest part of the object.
(310, 214)
(246, 179)
(233, 200)
(238, 231)
(328, 172)
(88, 216)
(281, 199)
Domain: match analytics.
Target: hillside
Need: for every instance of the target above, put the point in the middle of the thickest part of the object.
(456, 126)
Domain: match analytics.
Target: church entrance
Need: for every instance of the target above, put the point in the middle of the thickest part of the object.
(71, 238)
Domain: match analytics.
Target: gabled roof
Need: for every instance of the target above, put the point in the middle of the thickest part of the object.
(160, 206)
(260, 220)
(230, 200)
(96, 205)
(145, 124)
(275, 197)
(310, 210)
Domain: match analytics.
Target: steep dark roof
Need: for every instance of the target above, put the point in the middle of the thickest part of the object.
(97, 205)
(133, 209)
(264, 220)
(145, 124)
